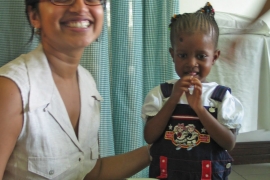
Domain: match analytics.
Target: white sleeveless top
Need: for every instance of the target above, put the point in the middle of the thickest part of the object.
(47, 147)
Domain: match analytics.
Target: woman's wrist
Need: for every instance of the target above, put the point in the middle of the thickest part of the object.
(148, 146)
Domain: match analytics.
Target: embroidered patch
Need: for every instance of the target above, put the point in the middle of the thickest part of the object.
(186, 136)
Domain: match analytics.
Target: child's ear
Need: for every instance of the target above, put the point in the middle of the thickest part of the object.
(216, 56)
(171, 52)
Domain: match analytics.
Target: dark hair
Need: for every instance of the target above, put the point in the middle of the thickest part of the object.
(34, 5)
(203, 20)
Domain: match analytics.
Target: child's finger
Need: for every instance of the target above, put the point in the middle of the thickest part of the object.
(196, 82)
(197, 90)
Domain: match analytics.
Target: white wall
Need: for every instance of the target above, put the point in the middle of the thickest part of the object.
(248, 8)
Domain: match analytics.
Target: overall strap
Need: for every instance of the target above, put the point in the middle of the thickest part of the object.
(220, 92)
(166, 89)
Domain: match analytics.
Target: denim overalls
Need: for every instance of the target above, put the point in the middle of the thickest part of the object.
(185, 151)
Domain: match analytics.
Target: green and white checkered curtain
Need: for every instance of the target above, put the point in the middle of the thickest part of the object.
(14, 31)
(130, 58)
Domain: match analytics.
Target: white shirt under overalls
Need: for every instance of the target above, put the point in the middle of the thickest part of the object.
(230, 110)
(47, 147)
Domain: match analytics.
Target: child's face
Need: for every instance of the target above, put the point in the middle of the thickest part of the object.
(194, 54)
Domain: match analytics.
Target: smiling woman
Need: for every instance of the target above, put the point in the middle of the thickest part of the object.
(61, 20)
(50, 106)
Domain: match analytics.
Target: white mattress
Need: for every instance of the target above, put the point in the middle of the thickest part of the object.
(247, 73)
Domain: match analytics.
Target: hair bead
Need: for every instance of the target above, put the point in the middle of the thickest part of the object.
(207, 9)
(202, 20)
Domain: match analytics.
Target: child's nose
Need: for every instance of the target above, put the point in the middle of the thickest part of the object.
(192, 62)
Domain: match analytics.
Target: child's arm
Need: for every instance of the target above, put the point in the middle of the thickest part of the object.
(155, 125)
(221, 134)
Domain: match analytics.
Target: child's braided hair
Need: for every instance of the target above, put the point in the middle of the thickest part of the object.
(202, 20)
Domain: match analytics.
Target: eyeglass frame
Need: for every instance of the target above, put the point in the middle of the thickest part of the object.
(102, 2)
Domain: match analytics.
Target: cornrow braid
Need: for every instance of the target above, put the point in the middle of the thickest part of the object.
(202, 20)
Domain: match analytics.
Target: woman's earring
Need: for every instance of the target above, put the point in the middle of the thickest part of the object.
(37, 31)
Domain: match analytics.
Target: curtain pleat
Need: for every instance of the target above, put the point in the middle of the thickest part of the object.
(158, 65)
(140, 60)
(14, 31)
(96, 60)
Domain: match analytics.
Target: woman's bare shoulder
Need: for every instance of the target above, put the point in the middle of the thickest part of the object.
(10, 99)
(9, 91)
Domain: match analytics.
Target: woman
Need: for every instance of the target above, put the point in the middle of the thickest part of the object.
(49, 108)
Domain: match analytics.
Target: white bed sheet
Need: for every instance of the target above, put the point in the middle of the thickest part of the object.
(247, 73)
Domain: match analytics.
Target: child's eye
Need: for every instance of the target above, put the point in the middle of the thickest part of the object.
(182, 55)
(201, 56)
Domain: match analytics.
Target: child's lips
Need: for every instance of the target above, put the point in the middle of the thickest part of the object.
(192, 73)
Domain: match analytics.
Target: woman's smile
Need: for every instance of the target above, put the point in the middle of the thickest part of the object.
(78, 24)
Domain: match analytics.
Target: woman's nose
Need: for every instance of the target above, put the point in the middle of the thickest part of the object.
(79, 6)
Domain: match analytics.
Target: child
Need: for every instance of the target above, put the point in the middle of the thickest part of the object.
(192, 123)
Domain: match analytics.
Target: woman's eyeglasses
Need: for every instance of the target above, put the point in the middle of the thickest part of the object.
(70, 2)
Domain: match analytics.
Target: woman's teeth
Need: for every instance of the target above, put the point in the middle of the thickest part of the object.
(79, 24)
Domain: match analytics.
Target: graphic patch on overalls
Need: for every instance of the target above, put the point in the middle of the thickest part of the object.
(186, 135)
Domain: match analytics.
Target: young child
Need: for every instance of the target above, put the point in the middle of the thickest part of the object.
(191, 122)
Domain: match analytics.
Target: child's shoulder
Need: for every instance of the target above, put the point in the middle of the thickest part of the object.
(212, 86)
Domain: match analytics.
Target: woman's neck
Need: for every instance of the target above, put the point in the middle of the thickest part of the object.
(63, 62)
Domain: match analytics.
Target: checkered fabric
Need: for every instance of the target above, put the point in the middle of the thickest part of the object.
(14, 31)
(130, 57)
(139, 61)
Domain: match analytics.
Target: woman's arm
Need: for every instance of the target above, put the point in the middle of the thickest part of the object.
(11, 119)
(264, 9)
(234, 45)
(121, 166)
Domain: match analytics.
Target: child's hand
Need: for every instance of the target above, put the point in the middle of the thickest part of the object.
(194, 99)
(180, 87)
